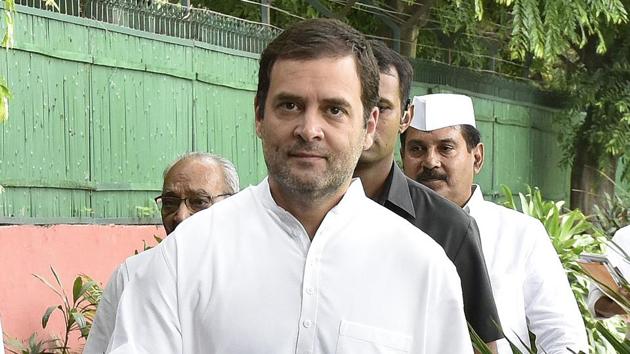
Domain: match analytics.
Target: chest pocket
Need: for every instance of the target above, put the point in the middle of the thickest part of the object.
(355, 338)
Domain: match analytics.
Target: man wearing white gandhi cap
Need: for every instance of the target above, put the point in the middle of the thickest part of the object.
(442, 149)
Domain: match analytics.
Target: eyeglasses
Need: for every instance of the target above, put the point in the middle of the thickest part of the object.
(196, 203)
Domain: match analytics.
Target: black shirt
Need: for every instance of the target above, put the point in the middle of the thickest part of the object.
(453, 229)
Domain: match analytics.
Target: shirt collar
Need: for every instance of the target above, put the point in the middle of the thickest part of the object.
(475, 198)
(397, 189)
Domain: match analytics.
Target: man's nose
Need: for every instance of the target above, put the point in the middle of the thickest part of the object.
(310, 126)
(182, 213)
(431, 159)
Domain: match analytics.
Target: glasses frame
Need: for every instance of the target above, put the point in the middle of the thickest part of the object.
(185, 200)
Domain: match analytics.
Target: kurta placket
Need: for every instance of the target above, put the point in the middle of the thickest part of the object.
(312, 251)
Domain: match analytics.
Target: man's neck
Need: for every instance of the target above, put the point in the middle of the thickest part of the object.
(308, 210)
(373, 175)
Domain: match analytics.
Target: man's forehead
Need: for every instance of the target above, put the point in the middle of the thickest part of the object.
(453, 133)
(190, 174)
(333, 83)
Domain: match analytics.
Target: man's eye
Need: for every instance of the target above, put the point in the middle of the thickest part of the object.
(382, 109)
(288, 106)
(336, 111)
(170, 203)
(199, 202)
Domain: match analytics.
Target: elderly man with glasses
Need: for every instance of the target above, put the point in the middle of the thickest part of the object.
(192, 183)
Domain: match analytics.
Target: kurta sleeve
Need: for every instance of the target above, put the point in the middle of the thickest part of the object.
(105, 318)
(147, 320)
(447, 331)
(550, 305)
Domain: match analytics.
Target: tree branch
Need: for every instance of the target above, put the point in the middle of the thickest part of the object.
(420, 16)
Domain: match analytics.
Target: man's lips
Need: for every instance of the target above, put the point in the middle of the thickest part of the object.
(306, 155)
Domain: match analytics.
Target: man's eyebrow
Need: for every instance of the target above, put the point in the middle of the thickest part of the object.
(448, 140)
(415, 141)
(285, 96)
(337, 101)
(383, 100)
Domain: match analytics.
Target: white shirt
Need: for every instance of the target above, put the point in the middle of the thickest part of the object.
(105, 318)
(244, 277)
(530, 287)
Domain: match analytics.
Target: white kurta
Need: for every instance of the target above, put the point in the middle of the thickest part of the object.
(244, 277)
(530, 286)
(105, 318)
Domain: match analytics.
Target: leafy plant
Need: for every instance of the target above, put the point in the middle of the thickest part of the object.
(78, 312)
(612, 215)
(145, 246)
(33, 345)
(147, 211)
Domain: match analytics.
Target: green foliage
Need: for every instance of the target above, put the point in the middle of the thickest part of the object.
(7, 42)
(571, 234)
(145, 246)
(33, 345)
(149, 210)
(77, 312)
(611, 216)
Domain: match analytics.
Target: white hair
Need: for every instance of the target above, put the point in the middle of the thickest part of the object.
(230, 176)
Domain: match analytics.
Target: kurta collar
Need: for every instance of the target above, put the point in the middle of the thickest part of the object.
(397, 189)
(346, 205)
(475, 198)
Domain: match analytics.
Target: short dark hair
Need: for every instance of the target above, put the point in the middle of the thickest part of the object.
(321, 38)
(471, 136)
(388, 58)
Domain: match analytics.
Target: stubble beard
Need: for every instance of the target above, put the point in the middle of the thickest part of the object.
(307, 187)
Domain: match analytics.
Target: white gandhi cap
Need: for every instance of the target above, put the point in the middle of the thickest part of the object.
(441, 110)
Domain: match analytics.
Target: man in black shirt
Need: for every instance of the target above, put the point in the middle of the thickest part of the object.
(444, 221)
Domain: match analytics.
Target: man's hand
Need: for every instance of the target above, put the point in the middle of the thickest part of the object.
(492, 346)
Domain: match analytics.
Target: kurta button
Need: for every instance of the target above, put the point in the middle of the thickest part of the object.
(307, 323)
(310, 291)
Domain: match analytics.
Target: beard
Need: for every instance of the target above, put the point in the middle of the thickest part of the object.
(307, 180)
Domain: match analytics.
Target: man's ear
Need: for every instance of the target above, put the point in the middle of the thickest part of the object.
(258, 116)
(405, 120)
(370, 129)
(478, 154)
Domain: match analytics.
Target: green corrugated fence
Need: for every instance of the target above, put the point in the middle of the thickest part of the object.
(99, 110)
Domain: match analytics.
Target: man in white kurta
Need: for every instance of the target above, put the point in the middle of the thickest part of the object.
(367, 283)
(303, 262)
(200, 178)
(528, 281)
(442, 149)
